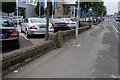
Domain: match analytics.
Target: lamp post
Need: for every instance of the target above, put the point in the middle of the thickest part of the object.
(77, 25)
(17, 10)
(90, 12)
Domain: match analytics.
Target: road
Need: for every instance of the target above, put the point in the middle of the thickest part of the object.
(116, 26)
(93, 55)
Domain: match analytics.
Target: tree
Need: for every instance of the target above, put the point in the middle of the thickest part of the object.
(98, 8)
(51, 9)
(40, 9)
(8, 7)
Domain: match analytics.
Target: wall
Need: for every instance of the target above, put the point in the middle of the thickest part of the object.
(60, 10)
(30, 11)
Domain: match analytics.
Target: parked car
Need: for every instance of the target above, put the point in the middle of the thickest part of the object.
(35, 26)
(58, 22)
(70, 23)
(9, 36)
(17, 19)
(75, 20)
(117, 18)
(98, 19)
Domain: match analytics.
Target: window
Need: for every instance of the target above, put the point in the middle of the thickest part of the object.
(26, 21)
(6, 24)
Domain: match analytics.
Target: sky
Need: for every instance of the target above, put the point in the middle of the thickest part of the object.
(112, 6)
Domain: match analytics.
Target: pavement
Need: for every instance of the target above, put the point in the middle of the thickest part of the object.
(93, 55)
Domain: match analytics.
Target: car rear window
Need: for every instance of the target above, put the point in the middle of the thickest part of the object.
(6, 24)
(67, 19)
(38, 20)
(57, 20)
(17, 17)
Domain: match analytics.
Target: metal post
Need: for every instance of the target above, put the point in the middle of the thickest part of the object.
(47, 22)
(17, 10)
(78, 6)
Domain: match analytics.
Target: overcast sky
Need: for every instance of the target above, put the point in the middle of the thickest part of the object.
(112, 6)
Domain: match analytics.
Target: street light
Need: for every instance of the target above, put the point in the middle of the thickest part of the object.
(17, 10)
(78, 6)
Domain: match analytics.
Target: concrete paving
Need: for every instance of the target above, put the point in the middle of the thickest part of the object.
(93, 55)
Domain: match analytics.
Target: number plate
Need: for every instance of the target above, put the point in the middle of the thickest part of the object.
(3, 35)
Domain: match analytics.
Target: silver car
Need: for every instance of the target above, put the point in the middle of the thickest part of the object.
(35, 26)
(70, 23)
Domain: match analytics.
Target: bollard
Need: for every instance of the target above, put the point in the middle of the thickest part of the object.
(59, 39)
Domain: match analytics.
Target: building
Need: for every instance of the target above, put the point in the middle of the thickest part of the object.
(69, 8)
(26, 8)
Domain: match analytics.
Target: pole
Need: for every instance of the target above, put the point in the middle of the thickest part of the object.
(47, 22)
(39, 9)
(17, 11)
(77, 25)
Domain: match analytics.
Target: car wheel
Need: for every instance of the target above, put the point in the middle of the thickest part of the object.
(26, 34)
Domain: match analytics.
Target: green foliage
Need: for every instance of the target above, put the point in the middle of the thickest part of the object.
(8, 7)
(97, 7)
(39, 9)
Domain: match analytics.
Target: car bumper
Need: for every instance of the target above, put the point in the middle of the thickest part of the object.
(72, 27)
(39, 32)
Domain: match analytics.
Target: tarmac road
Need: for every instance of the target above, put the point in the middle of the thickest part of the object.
(116, 25)
(93, 55)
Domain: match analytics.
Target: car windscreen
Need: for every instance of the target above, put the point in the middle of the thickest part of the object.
(57, 20)
(67, 19)
(38, 20)
(6, 24)
(74, 19)
(16, 17)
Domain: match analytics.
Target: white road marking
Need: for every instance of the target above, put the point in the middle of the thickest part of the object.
(115, 30)
(114, 27)
(113, 76)
(16, 71)
(93, 70)
(76, 45)
(24, 36)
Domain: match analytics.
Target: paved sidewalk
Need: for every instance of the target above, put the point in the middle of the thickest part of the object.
(93, 55)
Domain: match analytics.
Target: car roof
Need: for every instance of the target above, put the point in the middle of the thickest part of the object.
(36, 18)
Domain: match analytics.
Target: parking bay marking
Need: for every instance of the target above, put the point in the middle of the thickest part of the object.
(24, 36)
